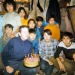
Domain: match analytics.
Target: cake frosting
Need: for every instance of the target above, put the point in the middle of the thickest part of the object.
(31, 61)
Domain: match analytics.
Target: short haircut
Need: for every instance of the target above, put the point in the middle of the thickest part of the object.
(39, 18)
(31, 20)
(22, 27)
(8, 25)
(32, 31)
(10, 2)
(48, 31)
(67, 34)
(22, 8)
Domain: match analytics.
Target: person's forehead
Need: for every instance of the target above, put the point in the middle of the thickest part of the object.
(8, 4)
(32, 33)
(8, 28)
(66, 37)
(24, 29)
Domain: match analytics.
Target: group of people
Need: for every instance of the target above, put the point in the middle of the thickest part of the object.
(21, 37)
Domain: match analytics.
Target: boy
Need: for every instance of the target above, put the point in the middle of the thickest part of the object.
(34, 40)
(6, 36)
(40, 26)
(4, 39)
(68, 48)
(47, 48)
(54, 28)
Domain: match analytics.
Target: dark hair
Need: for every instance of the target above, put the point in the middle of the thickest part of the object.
(22, 8)
(67, 34)
(10, 2)
(8, 25)
(32, 31)
(22, 27)
(31, 20)
(48, 31)
(39, 18)
(52, 16)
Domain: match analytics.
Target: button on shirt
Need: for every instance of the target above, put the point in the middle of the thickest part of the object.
(46, 51)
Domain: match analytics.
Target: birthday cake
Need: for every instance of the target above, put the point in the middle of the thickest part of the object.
(32, 61)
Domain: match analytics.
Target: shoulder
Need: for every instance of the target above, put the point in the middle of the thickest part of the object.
(5, 15)
(28, 42)
(61, 44)
(16, 14)
(14, 39)
(54, 41)
(42, 41)
(73, 45)
(47, 26)
(36, 40)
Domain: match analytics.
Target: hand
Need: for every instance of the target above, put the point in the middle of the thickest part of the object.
(62, 59)
(61, 66)
(9, 69)
(50, 63)
(74, 56)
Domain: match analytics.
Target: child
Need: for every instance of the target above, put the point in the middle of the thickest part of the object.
(34, 40)
(4, 39)
(40, 26)
(47, 48)
(54, 28)
(68, 48)
(32, 24)
(23, 15)
(7, 35)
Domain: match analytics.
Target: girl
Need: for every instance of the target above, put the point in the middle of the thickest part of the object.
(23, 15)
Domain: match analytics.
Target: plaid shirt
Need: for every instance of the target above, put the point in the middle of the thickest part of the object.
(47, 50)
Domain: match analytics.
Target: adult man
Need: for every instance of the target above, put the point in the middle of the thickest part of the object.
(14, 53)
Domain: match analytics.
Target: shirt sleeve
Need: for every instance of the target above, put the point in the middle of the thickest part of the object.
(38, 35)
(5, 53)
(36, 51)
(58, 51)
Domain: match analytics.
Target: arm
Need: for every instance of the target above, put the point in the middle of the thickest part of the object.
(74, 56)
(36, 51)
(38, 35)
(5, 54)
(61, 66)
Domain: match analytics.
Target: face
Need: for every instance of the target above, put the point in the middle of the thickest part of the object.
(22, 13)
(51, 21)
(66, 40)
(32, 36)
(39, 23)
(47, 37)
(24, 34)
(31, 24)
(8, 31)
(9, 7)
